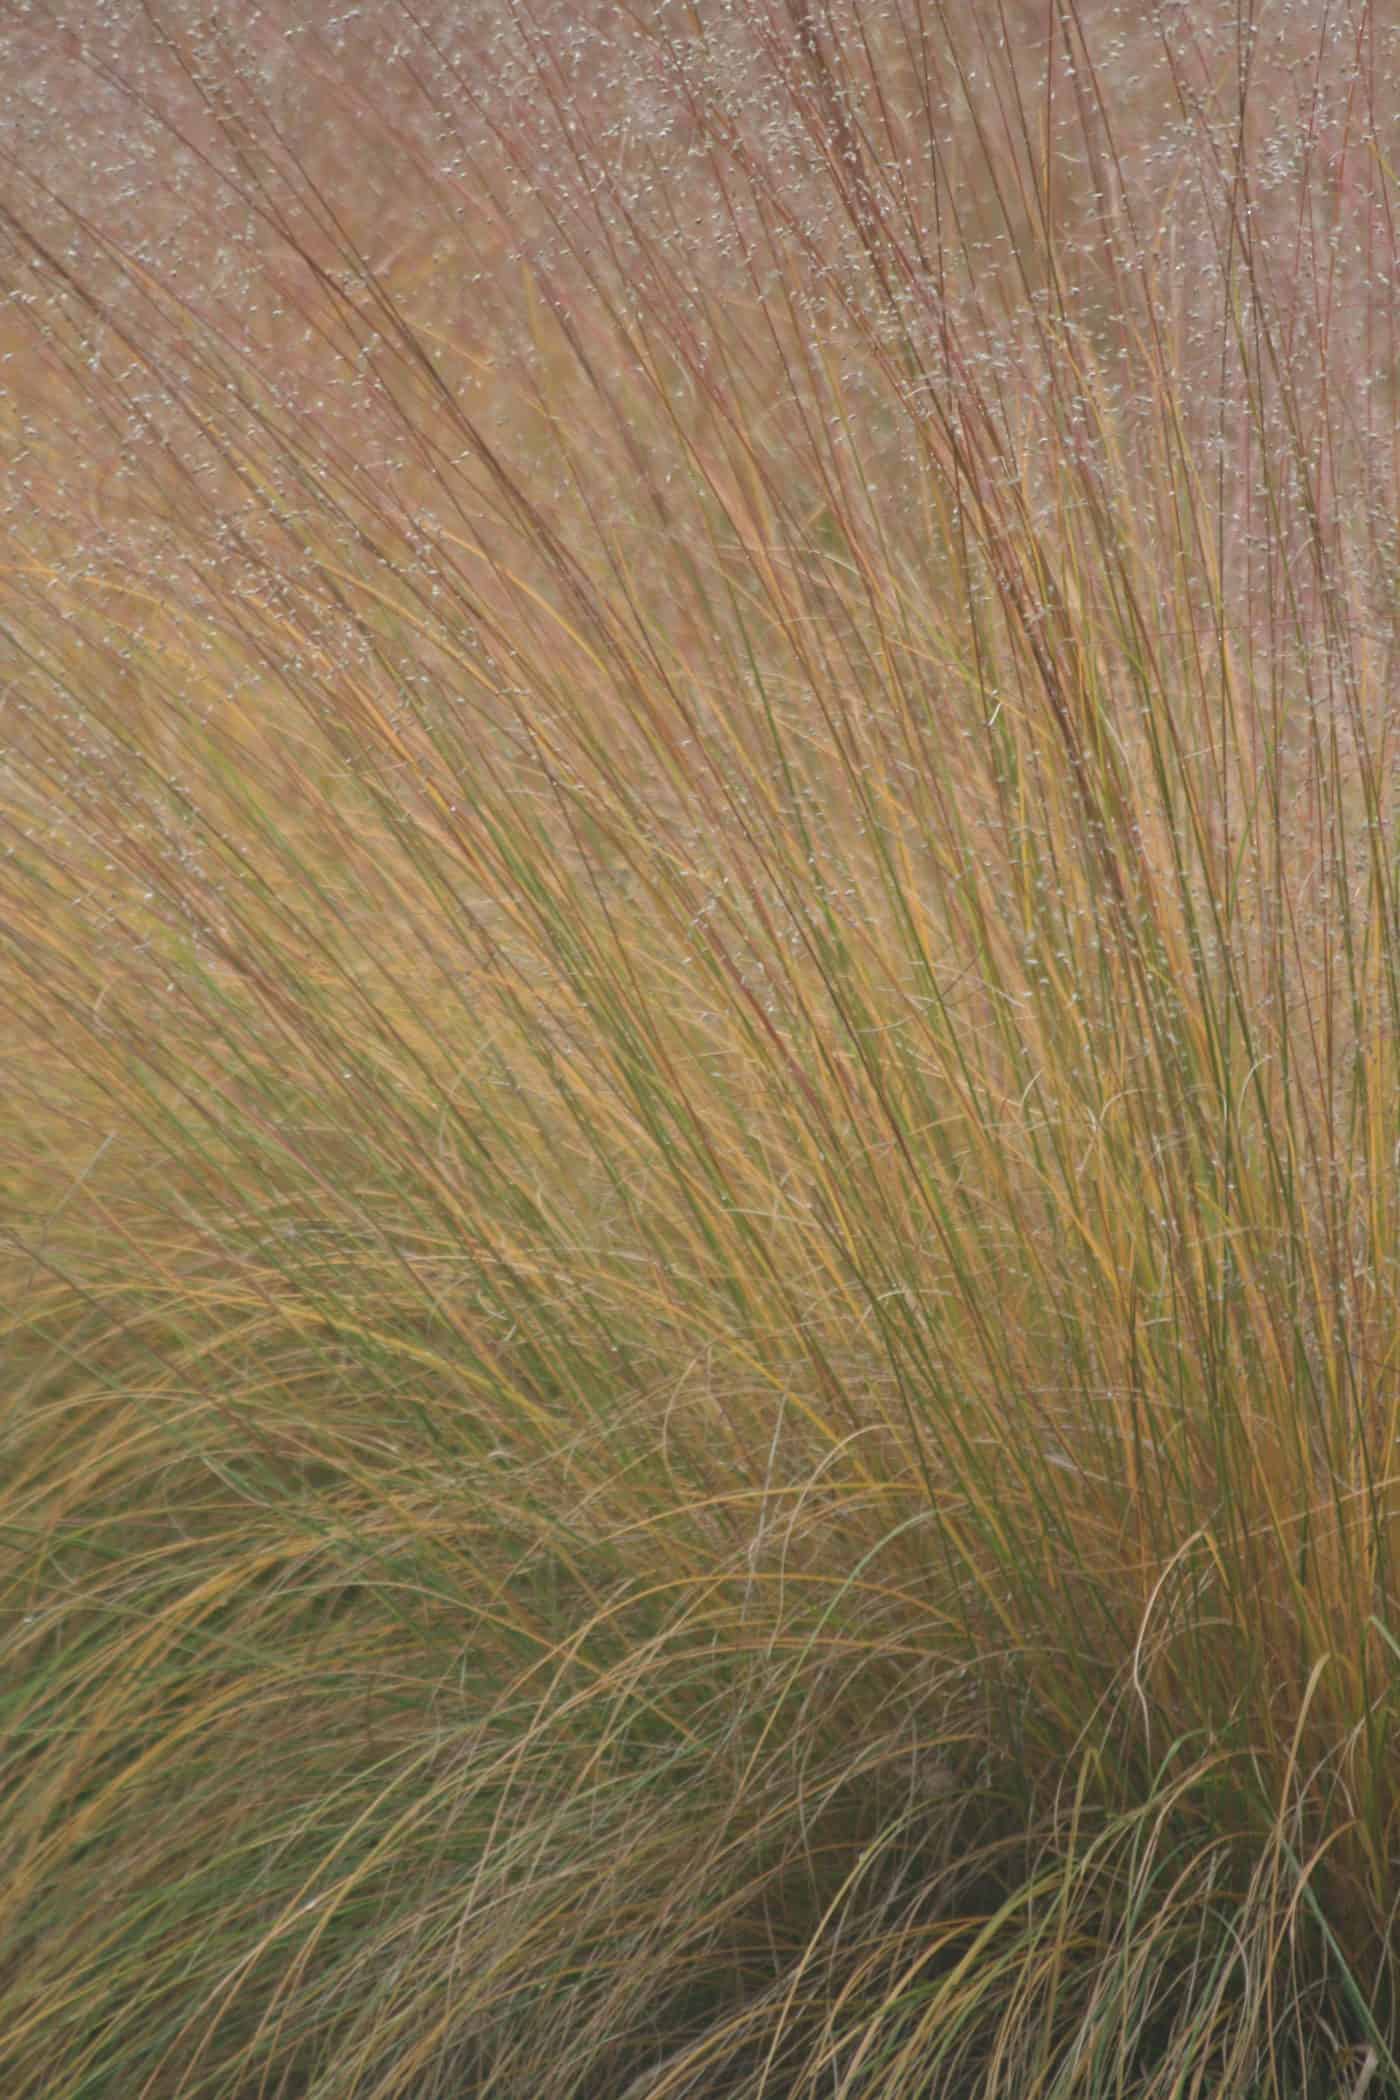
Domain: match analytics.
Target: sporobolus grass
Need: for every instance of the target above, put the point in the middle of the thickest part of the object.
(701, 990)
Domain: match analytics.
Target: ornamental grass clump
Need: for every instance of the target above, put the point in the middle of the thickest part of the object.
(701, 993)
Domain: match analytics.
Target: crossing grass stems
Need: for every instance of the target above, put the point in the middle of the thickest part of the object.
(701, 988)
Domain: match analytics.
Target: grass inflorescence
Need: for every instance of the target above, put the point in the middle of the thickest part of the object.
(700, 960)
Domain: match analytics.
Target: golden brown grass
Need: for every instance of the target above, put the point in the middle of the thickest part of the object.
(701, 983)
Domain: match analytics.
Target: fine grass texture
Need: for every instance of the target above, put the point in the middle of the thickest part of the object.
(700, 983)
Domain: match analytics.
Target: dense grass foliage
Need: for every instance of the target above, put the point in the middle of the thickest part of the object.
(700, 968)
